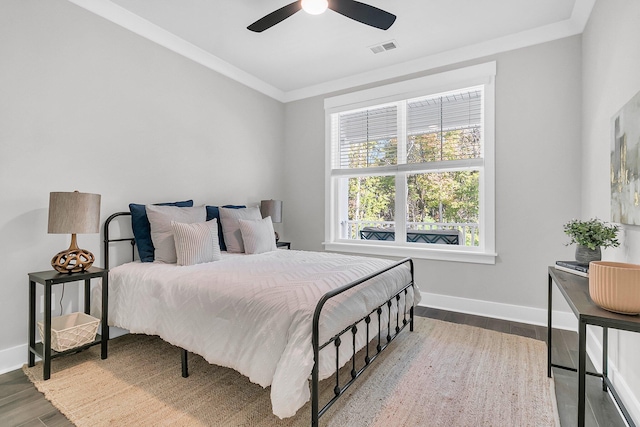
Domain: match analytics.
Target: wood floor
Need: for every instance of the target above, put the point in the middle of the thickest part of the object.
(22, 405)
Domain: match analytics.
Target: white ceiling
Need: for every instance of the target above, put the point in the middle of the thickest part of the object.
(308, 55)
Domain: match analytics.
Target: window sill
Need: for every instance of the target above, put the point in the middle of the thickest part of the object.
(441, 253)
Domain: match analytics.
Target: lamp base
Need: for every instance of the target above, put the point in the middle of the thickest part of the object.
(72, 260)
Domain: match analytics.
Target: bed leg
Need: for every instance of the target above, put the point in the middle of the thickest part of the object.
(411, 319)
(185, 365)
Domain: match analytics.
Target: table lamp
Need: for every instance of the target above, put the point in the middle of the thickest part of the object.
(272, 208)
(73, 213)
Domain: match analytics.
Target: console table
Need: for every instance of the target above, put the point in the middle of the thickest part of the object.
(575, 289)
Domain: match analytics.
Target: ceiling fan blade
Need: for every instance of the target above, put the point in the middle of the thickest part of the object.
(364, 13)
(273, 18)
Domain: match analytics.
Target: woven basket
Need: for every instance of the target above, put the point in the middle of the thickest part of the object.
(71, 330)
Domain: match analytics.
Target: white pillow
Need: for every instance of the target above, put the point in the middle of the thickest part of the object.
(160, 218)
(258, 235)
(230, 228)
(196, 243)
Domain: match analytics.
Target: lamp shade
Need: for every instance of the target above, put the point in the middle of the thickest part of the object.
(74, 213)
(272, 208)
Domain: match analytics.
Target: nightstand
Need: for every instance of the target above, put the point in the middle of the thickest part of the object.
(49, 279)
(283, 245)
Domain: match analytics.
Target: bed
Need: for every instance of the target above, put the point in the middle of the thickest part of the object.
(279, 317)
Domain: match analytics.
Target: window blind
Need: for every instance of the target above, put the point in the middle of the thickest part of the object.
(452, 111)
(438, 127)
(368, 137)
(445, 127)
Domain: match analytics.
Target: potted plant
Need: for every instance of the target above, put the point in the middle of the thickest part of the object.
(591, 236)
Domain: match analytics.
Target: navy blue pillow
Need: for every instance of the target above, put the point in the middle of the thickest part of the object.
(142, 228)
(214, 212)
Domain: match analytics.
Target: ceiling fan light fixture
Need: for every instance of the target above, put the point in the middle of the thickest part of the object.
(352, 9)
(314, 7)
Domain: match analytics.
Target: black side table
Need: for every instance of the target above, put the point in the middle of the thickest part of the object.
(49, 279)
(575, 290)
(283, 245)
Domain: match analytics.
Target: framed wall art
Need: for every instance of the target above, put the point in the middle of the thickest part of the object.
(625, 163)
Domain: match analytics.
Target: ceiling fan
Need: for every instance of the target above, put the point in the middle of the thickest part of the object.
(355, 10)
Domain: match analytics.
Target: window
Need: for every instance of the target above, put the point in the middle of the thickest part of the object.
(410, 168)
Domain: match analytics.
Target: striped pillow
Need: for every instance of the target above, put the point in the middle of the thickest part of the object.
(160, 218)
(258, 235)
(196, 242)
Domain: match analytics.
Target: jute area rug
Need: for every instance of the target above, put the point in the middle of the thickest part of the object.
(442, 374)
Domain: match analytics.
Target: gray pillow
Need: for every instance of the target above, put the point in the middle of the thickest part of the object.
(258, 235)
(160, 218)
(231, 228)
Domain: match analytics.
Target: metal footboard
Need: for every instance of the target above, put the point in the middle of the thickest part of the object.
(316, 411)
(393, 326)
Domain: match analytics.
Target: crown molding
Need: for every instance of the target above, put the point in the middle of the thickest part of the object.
(567, 28)
(134, 23)
(121, 16)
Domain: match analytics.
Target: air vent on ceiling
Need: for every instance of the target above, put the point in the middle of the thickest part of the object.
(383, 47)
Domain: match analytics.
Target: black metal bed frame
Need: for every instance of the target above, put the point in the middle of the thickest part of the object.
(382, 342)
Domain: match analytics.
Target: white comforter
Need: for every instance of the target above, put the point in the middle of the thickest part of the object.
(253, 313)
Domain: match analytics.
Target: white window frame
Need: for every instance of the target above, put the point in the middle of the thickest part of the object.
(477, 75)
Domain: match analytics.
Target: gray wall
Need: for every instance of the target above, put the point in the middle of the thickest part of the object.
(611, 77)
(86, 105)
(538, 103)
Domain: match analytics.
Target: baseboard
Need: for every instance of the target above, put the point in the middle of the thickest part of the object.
(625, 392)
(15, 357)
(514, 313)
(629, 398)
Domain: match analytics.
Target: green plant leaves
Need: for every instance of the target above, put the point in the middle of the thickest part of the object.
(593, 233)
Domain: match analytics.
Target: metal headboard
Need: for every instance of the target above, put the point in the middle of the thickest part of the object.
(108, 240)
